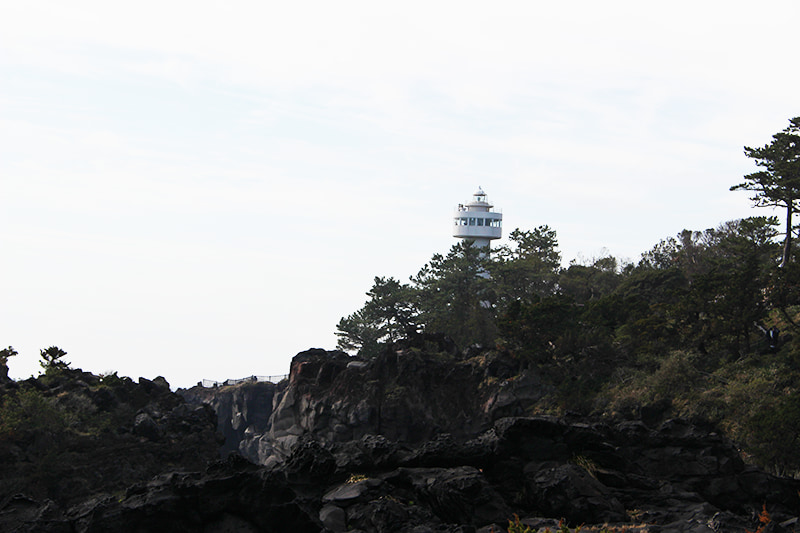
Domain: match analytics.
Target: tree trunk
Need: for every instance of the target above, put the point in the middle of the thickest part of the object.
(787, 242)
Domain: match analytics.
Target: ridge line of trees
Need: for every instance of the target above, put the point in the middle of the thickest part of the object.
(705, 289)
(704, 326)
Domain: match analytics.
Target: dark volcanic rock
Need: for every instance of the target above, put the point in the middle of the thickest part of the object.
(569, 491)
(404, 395)
(534, 467)
(145, 426)
(229, 496)
(243, 411)
(460, 495)
(408, 442)
(4, 373)
(424, 436)
(83, 436)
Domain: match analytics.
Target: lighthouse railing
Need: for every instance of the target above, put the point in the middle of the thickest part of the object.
(210, 383)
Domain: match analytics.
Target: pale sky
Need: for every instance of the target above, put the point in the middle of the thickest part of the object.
(202, 190)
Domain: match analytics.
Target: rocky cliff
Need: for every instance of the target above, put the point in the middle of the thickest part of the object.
(407, 395)
(69, 436)
(625, 477)
(243, 411)
(408, 442)
(429, 428)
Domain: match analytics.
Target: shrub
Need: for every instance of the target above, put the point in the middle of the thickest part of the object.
(29, 411)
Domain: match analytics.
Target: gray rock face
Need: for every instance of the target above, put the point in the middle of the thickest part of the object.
(4, 373)
(405, 396)
(570, 490)
(243, 413)
(460, 495)
(333, 518)
(145, 426)
(525, 466)
(417, 442)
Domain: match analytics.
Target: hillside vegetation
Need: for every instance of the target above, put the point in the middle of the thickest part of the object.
(68, 434)
(703, 326)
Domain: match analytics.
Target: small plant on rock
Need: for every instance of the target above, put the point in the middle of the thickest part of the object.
(587, 464)
(516, 526)
(763, 520)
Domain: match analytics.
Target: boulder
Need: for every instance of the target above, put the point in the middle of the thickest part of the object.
(569, 491)
(145, 426)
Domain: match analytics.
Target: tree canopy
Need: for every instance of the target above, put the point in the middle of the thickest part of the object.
(52, 358)
(700, 288)
(388, 315)
(778, 184)
(704, 322)
(5, 353)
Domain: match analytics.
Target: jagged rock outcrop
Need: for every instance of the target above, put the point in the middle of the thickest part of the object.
(4, 373)
(71, 435)
(243, 410)
(408, 442)
(677, 478)
(404, 395)
(433, 442)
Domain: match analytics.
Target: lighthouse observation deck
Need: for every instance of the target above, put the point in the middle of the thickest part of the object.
(476, 221)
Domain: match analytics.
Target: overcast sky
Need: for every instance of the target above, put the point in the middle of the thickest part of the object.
(203, 189)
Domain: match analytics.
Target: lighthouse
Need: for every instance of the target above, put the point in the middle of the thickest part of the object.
(477, 222)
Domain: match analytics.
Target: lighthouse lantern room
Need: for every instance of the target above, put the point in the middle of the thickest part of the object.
(477, 222)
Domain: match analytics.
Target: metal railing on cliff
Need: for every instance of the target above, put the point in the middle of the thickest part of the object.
(210, 383)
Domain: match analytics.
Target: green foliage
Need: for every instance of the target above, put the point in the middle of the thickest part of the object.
(584, 283)
(773, 433)
(458, 294)
(537, 327)
(5, 353)
(52, 359)
(28, 411)
(587, 464)
(356, 332)
(454, 295)
(529, 270)
(778, 185)
(683, 329)
(703, 290)
(387, 316)
(729, 289)
(783, 289)
(668, 378)
(112, 380)
(540, 243)
(515, 526)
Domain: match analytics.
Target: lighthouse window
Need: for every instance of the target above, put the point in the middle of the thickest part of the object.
(480, 222)
(471, 221)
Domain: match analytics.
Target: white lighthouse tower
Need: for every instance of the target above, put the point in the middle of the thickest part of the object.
(477, 222)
